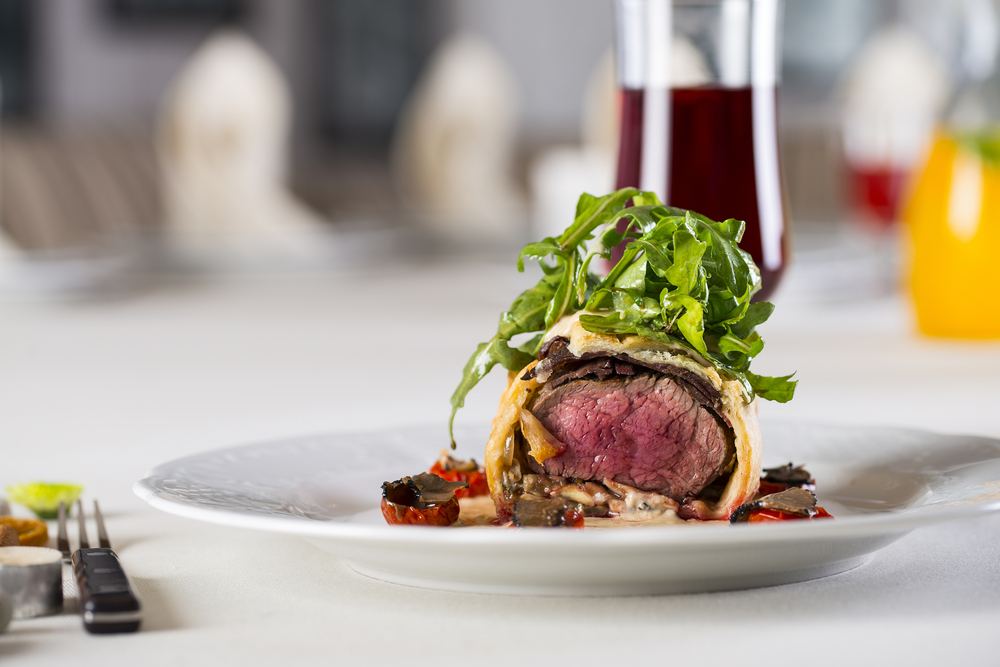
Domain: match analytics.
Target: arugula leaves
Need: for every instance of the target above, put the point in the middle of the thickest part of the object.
(683, 279)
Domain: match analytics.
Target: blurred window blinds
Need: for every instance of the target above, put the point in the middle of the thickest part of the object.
(369, 54)
(15, 56)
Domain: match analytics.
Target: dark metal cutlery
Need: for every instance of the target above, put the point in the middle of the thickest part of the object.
(107, 601)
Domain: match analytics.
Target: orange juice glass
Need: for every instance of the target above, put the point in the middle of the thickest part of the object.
(954, 221)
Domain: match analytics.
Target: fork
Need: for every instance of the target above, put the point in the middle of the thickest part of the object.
(107, 601)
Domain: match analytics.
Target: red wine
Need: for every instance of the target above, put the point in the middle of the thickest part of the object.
(723, 162)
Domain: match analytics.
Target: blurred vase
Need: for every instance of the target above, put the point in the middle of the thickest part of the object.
(453, 151)
(893, 92)
(223, 141)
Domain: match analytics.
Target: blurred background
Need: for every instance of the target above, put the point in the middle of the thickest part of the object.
(415, 124)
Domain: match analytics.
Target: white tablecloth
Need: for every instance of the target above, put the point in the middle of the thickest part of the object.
(98, 392)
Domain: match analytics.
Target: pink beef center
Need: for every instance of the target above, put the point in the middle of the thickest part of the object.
(645, 431)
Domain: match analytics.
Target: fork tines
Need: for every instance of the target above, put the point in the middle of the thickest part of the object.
(63, 537)
(81, 521)
(102, 535)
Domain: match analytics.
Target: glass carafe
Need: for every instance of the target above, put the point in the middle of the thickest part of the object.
(699, 84)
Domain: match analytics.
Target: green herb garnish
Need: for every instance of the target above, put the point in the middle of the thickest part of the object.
(984, 144)
(42, 498)
(683, 279)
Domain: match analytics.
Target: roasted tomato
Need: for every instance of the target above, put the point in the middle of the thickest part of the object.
(423, 499)
(767, 488)
(455, 470)
(792, 503)
(761, 516)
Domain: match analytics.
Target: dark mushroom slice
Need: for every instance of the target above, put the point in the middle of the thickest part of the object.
(423, 499)
(789, 475)
(544, 486)
(794, 501)
(421, 491)
(447, 462)
(547, 512)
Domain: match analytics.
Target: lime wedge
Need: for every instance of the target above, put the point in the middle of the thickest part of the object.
(43, 498)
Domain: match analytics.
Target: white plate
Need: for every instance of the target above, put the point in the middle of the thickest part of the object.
(879, 483)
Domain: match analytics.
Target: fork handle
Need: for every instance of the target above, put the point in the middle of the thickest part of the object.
(107, 601)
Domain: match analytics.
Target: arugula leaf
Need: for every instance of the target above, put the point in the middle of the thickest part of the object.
(539, 251)
(778, 389)
(756, 314)
(615, 323)
(685, 270)
(683, 279)
(689, 316)
(732, 347)
(592, 212)
(634, 278)
(562, 299)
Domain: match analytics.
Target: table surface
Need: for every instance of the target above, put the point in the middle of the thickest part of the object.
(100, 391)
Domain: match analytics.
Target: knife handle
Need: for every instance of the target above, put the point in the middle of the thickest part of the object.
(107, 602)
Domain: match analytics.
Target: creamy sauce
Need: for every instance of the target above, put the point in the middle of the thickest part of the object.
(565, 324)
(666, 519)
(476, 511)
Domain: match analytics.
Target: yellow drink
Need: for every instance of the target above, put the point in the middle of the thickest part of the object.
(954, 221)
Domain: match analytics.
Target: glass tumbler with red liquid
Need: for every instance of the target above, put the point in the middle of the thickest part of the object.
(699, 83)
